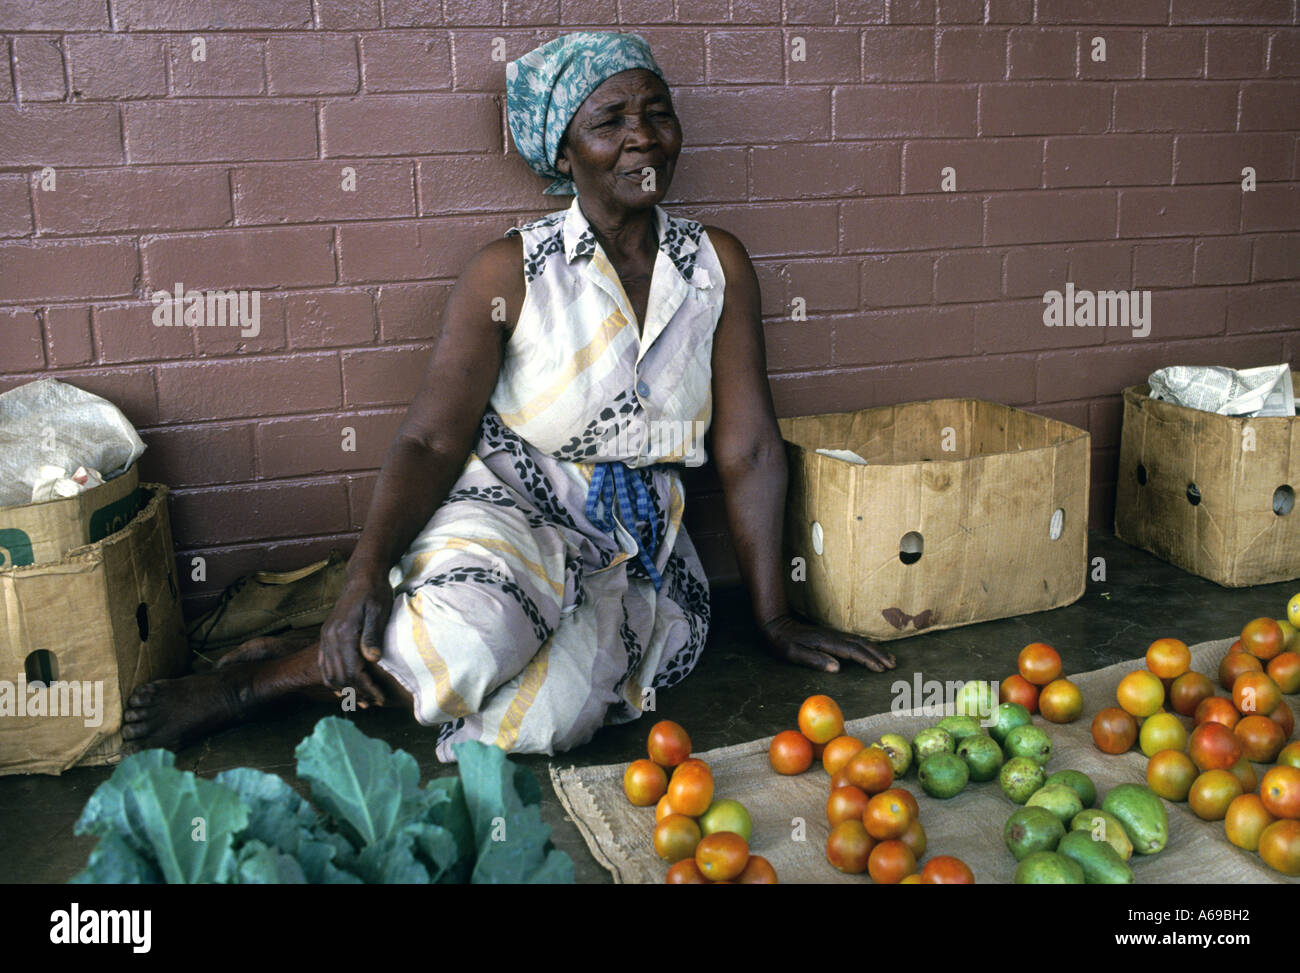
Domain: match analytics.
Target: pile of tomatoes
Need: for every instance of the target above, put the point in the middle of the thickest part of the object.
(1039, 687)
(875, 826)
(1211, 767)
(681, 801)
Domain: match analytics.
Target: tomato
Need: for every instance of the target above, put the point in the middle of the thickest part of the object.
(685, 872)
(1279, 846)
(1060, 701)
(1261, 739)
(1170, 774)
(913, 879)
(1244, 771)
(1168, 658)
(820, 719)
(1187, 692)
(1284, 718)
(1018, 689)
(838, 751)
(1236, 647)
(689, 764)
(668, 744)
(1263, 638)
(1280, 791)
(914, 838)
(1234, 664)
(1039, 663)
(676, 837)
(904, 795)
(1140, 693)
(841, 779)
(890, 862)
(1246, 819)
(1216, 709)
(1113, 730)
(886, 817)
(722, 855)
(1290, 755)
(790, 752)
(1212, 746)
(644, 782)
(758, 871)
(1211, 794)
(871, 770)
(1163, 731)
(946, 870)
(690, 792)
(1255, 692)
(1284, 669)
(849, 847)
(663, 809)
(846, 804)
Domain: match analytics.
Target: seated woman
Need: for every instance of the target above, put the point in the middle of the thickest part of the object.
(523, 576)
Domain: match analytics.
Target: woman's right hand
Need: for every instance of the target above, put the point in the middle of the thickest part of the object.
(354, 634)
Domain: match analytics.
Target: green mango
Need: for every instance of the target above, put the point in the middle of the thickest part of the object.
(1099, 861)
(1143, 816)
(1049, 868)
(1079, 782)
(1104, 827)
(1032, 829)
(1058, 799)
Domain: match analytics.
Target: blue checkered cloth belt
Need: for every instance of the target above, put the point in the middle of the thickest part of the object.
(616, 483)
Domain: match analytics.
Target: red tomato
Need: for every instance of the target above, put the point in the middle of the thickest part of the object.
(1039, 663)
(668, 744)
(946, 870)
(820, 719)
(1114, 730)
(790, 752)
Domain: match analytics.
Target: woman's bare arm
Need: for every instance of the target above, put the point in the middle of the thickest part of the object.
(751, 462)
(426, 457)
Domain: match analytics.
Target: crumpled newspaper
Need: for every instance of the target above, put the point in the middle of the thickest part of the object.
(51, 423)
(54, 483)
(1247, 392)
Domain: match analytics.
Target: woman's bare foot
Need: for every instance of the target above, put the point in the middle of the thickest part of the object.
(173, 713)
(265, 647)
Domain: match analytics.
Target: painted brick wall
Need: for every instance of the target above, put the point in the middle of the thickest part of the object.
(226, 172)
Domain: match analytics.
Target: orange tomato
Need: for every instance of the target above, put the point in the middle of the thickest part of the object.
(722, 855)
(1263, 638)
(913, 879)
(685, 872)
(1060, 701)
(676, 837)
(837, 753)
(914, 838)
(1170, 774)
(668, 744)
(1039, 663)
(1211, 793)
(1113, 730)
(849, 847)
(690, 792)
(1280, 791)
(1290, 755)
(663, 809)
(1018, 689)
(1168, 658)
(1284, 718)
(790, 752)
(820, 719)
(947, 870)
(758, 871)
(1284, 669)
(904, 795)
(1234, 664)
(1255, 692)
(1216, 709)
(1261, 739)
(890, 862)
(1187, 692)
(1246, 819)
(1140, 693)
(871, 770)
(1212, 746)
(841, 779)
(846, 804)
(886, 817)
(644, 782)
(1244, 771)
(1279, 846)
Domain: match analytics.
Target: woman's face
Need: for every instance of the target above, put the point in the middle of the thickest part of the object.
(624, 126)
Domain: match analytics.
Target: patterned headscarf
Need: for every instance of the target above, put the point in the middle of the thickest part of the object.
(547, 86)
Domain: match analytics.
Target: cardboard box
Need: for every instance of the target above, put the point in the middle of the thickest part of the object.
(1213, 494)
(94, 625)
(966, 511)
(37, 533)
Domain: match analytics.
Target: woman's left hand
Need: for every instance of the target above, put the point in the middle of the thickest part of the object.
(818, 647)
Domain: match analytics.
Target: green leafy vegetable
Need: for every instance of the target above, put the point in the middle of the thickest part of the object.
(368, 821)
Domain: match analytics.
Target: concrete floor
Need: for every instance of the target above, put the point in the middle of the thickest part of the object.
(735, 694)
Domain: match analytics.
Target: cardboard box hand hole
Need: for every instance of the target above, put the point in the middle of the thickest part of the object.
(1283, 500)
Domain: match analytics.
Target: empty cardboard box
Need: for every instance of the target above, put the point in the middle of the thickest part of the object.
(1212, 494)
(965, 511)
(79, 634)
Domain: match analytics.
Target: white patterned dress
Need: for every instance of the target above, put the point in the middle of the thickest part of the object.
(556, 586)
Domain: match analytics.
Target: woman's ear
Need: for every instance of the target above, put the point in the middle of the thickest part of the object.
(562, 164)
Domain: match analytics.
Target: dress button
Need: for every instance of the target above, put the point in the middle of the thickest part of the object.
(642, 388)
